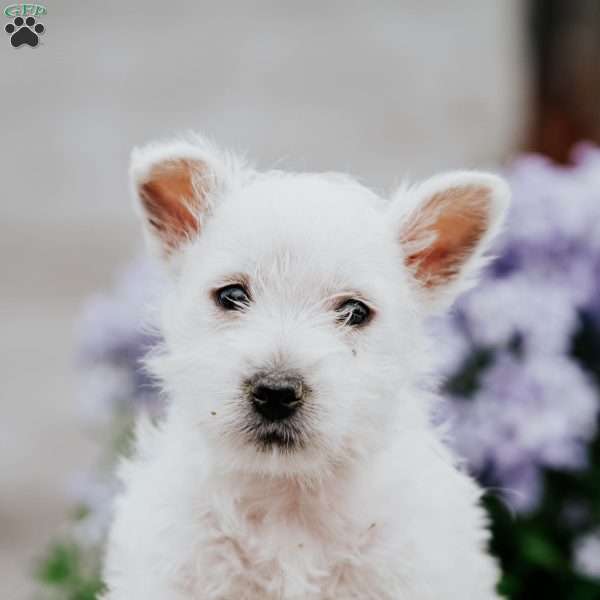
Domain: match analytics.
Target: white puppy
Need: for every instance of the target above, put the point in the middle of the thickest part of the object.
(297, 460)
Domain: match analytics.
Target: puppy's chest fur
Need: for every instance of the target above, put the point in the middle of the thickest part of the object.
(179, 535)
(287, 544)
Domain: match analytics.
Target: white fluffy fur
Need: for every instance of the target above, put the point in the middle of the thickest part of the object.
(373, 506)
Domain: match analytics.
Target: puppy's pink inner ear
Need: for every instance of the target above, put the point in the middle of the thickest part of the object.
(445, 232)
(172, 200)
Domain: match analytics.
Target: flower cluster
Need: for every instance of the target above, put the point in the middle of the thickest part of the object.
(115, 334)
(520, 400)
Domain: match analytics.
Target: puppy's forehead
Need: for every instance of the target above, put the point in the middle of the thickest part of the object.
(326, 224)
(296, 206)
(321, 190)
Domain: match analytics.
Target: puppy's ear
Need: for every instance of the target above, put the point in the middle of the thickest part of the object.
(175, 185)
(446, 225)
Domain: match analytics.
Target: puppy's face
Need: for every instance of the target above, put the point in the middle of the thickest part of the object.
(292, 326)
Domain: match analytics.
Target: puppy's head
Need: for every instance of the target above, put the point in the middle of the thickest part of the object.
(292, 326)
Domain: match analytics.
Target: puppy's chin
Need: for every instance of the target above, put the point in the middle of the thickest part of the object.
(273, 454)
(282, 438)
(252, 446)
(269, 442)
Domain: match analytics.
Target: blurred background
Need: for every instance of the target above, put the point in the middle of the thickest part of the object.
(383, 90)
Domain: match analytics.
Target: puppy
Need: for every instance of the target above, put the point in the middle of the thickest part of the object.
(297, 459)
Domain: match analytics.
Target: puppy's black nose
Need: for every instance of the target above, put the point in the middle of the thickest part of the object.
(276, 398)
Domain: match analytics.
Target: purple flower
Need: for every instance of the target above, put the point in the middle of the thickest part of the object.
(554, 225)
(527, 414)
(115, 334)
(587, 555)
(523, 304)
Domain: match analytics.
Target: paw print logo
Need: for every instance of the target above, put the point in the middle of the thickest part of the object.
(24, 32)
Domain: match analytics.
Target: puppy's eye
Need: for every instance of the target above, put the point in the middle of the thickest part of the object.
(232, 297)
(353, 313)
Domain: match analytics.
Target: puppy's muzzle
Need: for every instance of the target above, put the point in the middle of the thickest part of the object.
(276, 396)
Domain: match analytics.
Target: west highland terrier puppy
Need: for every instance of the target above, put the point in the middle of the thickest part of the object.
(297, 459)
